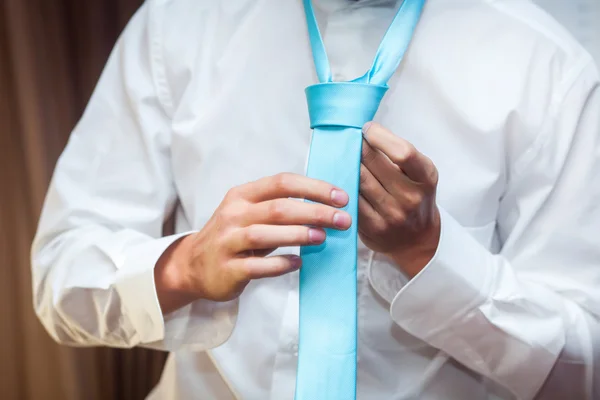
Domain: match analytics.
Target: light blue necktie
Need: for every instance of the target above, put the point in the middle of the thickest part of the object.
(338, 110)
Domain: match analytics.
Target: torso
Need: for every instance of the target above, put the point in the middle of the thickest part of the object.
(240, 114)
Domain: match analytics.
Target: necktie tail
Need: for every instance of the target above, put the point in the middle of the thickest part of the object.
(327, 359)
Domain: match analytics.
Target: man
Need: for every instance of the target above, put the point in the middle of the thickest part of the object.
(479, 263)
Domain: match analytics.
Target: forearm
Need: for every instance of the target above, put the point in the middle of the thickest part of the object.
(508, 326)
(168, 277)
(93, 286)
(84, 281)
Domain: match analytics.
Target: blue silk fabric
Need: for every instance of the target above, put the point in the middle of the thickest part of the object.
(328, 306)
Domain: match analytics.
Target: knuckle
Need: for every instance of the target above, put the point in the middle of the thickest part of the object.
(410, 150)
(380, 200)
(397, 218)
(232, 194)
(405, 153)
(322, 216)
(223, 217)
(434, 178)
(414, 199)
(222, 241)
(252, 236)
(281, 180)
(277, 209)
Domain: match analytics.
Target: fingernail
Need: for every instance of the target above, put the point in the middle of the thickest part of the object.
(366, 127)
(316, 236)
(295, 261)
(342, 220)
(339, 197)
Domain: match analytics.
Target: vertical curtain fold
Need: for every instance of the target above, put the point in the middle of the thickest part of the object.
(51, 55)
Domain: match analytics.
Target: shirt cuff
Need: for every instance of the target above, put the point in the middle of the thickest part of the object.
(137, 290)
(456, 280)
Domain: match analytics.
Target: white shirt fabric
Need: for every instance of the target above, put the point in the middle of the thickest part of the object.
(202, 96)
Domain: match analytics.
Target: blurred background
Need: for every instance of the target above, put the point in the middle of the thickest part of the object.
(51, 55)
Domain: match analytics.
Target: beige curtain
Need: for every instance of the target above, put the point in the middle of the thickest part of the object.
(51, 54)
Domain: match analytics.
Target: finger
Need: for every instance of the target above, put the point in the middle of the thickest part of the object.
(374, 193)
(369, 220)
(261, 237)
(266, 267)
(389, 175)
(295, 212)
(415, 165)
(292, 185)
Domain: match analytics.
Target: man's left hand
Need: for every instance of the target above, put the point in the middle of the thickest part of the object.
(397, 211)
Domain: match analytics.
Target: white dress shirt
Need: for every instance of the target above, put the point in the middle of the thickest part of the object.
(201, 96)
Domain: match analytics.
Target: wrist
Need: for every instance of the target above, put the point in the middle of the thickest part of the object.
(413, 261)
(415, 258)
(170, 275)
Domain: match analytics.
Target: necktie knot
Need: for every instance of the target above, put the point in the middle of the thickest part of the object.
(343, 104)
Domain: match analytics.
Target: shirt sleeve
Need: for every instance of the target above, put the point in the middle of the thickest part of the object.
(527, 317)
(99, 235)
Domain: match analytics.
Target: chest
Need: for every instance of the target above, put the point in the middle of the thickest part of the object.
(241, 112)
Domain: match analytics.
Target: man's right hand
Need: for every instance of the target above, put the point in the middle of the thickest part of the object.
(253, 220)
